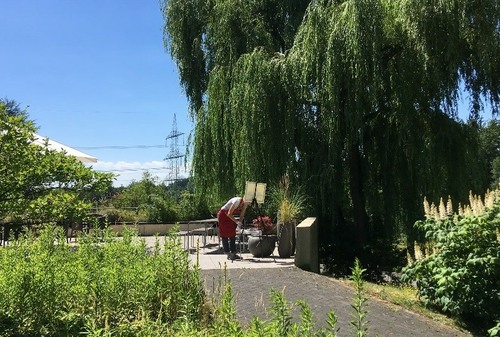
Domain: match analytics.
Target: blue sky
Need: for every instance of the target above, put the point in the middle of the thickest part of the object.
(95, 73)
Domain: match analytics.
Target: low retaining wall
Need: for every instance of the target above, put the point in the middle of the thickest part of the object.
(149, 229)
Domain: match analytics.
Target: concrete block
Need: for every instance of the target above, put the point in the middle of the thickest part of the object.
(307, 248)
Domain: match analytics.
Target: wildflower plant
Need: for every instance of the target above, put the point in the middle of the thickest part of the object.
(462, 273)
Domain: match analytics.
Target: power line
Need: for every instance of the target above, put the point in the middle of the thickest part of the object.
(135, 170)
(119, 147)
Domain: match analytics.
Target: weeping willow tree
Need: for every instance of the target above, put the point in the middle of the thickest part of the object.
(230, 55)
(357, 100)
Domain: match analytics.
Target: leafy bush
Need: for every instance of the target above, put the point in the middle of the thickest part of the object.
(462, 275)
(39, 184)
(160, 210)
(145, 200)
(109, 286)
(192, 207)
(115, 215)
(106, 284)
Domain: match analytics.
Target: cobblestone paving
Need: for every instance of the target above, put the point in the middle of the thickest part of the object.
(251, 288)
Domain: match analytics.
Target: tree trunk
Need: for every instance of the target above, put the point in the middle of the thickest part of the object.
(358, 198)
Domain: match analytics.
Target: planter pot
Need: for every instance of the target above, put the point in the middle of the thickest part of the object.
(286, 240)
(261, 246)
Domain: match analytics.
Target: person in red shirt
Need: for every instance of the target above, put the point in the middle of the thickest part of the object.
(228, 224)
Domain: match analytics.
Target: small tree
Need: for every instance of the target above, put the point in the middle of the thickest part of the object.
(13, 108)
(40, 184)
(150, 200)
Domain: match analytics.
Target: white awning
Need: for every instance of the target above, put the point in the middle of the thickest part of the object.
(53, 145)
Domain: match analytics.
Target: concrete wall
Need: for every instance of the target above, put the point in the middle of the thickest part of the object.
(307, 249)
(150, 229)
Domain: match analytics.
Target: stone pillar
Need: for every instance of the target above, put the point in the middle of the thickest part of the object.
(307, 249)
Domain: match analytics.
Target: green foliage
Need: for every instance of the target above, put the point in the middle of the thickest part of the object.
(225, 315)
(227, 44)
(39, 184)
(12, 108)
(120, 215)
(109, 286)
(327, 92)
(462, 276)
(193, 207)
(495, 172)
(489, 136)
(359, 300)
(149, 200)
(145, 200)
(102, 287)
(290, 203)
(495, 331)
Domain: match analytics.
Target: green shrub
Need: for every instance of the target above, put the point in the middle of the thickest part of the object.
(106, 285)
(160, 210)
(462, 276)
(109, 286)
(192, 207)
(115, 215)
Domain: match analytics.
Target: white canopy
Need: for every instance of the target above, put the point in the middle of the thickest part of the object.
(53, 145)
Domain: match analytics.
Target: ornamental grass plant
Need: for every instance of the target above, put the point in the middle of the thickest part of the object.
(290, 203)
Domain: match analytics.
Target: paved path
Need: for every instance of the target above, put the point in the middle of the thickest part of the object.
(251, 289)
(253, 278)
